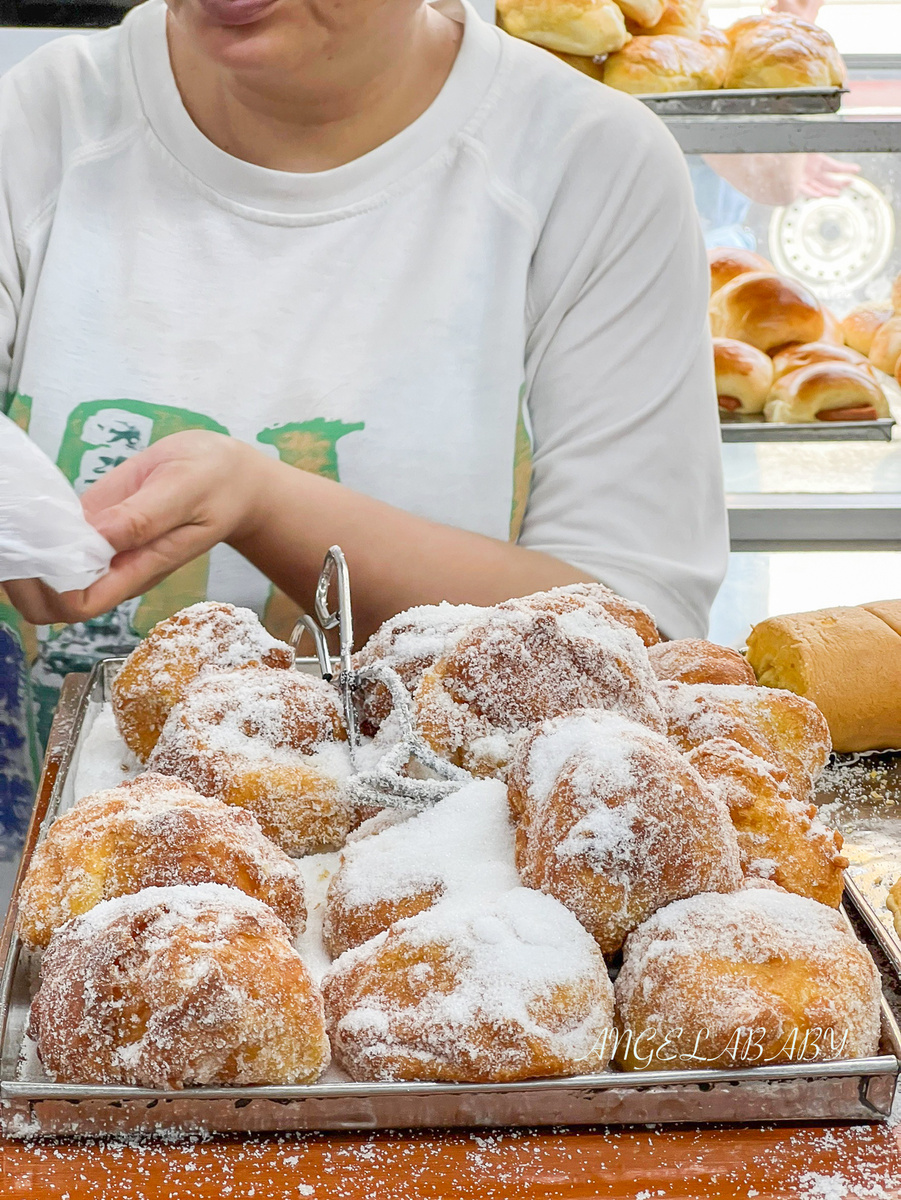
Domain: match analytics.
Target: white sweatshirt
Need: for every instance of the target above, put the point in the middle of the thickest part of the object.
(515, 283)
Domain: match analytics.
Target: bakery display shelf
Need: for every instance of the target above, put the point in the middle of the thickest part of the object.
(746, 102)
(749, 429)
(33, 1106)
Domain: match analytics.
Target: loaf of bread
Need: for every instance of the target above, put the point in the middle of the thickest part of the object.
(861, 324)
(885, 349)
(779, 50)
(682, 17)
(667, 63)
(766, 310)
(728, 262)
(804, 354)
(585, 27)
(846, 660)
(744, 376)
(826, 391)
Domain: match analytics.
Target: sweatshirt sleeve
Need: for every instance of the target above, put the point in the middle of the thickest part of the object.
(627, 475)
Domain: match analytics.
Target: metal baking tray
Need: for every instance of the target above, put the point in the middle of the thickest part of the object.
(750, 429)
(784, 102)
(31, 1106)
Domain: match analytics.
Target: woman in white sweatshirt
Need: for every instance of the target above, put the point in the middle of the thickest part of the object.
(458, 284)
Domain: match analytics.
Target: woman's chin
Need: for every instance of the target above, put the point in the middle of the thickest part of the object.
(237, 33)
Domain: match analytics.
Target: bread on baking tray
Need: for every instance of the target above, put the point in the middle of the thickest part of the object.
(792, 358)
(779, 50)
(585, 27)
(846, 660)
(860, 325)
(683, 17)
(668, 63)
(643, 14)
(766, 310)
(744, 376)
(727, 262)
(826, 391)
(885, 348)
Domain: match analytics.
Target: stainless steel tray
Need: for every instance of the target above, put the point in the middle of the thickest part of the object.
(749, 429)
(861, 1089)
(745, 102)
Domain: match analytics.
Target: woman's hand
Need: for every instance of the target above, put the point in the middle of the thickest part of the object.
(158, 510)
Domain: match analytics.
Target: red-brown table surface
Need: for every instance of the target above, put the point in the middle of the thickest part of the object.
(831, 1162)
(835, 1162)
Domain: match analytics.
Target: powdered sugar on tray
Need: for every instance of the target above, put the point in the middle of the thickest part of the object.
(103, 760)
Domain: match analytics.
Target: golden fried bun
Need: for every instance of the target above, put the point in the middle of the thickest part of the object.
(861, 324)
(783, 729)
(728, 262)
(198, 639)
(585, 27)
(668, 63)
(520, 664)
(410, 643)
(459, 849)
(746, 980)
(893, 904)
(692, 660)
(175, 987)
(151, 832)
(504, 989)
(593, 597)
(744, 376)
(615, 822)
(780, 836)
(780, 50)
(826, 391)
(270, 741)
(766, 310)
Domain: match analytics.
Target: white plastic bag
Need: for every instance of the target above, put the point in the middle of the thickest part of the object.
(43, 531)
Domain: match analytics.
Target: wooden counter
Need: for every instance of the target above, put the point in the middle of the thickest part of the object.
(835, 1162)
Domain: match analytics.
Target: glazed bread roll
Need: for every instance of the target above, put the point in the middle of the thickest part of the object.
(744, 376)
(846, 660)
(644, 14)
(826, 391)
(585, 27)
(667, 64)
(766, 310)
(682, 17)
(861, 324)
(782, 51)
(728, 262)
(896, 295)
(885, 349)
(792, 358)
(833, 331)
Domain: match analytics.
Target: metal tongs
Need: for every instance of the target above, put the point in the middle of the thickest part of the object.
(385, 786)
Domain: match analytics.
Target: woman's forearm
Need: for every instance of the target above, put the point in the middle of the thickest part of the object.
(396, 560)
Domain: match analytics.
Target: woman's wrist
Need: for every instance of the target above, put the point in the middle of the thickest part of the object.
(253, 472)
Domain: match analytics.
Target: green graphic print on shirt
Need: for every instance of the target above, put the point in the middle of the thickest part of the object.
(18, 408)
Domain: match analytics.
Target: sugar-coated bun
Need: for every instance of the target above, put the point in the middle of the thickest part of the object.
(270, 741)
(780, 836)
(783, 729)
(526, 660)
(204, 637)
(859, 327)
(593, 67)
(615, 822)
(682, 17)
(593, 597)
(643, 14)
(502, 989)
(728, 262)
(885, 349)
(692, 660)
(744, 376)
(792, 358)
(766, 310)
(151, 832)
(586, 27)
(668, 63)
(780, 50)
(846, 660)
(750, 979)
(826, 391)
(175, 987)
(832, 331)
(459, 849)
(893, 904)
